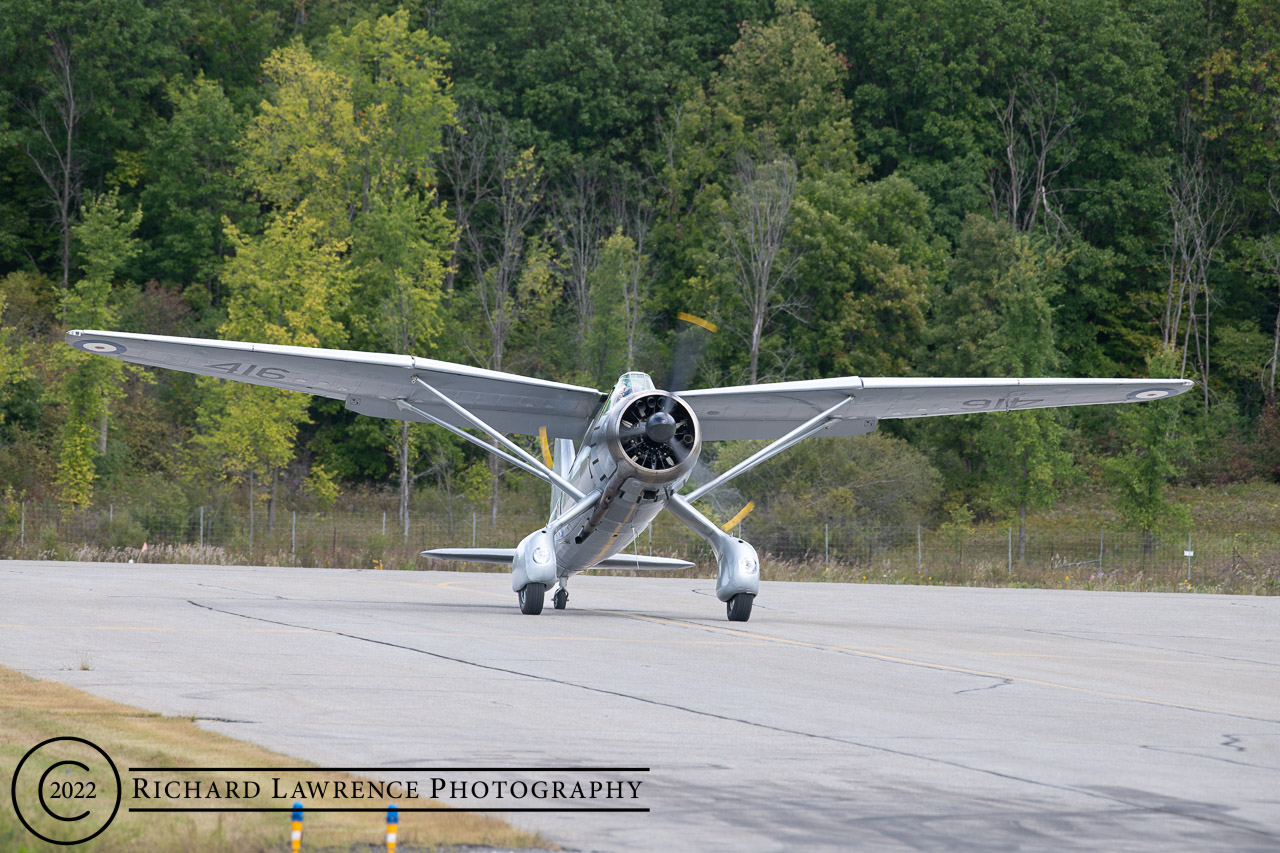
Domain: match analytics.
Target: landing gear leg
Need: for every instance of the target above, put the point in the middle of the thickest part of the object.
(561, 598)
(531, 598)
(739, 607)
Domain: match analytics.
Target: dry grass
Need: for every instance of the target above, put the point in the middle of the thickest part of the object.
(32, 711)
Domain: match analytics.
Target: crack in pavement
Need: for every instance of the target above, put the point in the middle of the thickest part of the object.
(752, 723)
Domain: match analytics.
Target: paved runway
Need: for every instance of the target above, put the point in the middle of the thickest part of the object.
(840, 717)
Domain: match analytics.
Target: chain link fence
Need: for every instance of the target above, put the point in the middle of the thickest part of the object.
(986, 555)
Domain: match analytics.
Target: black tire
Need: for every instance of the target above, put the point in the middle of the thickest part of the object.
(561, 599)
(739, 607)
(531, 598)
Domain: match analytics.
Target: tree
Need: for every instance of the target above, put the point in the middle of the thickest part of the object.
(577, 79)
(754, 223)
(191, 185)
(868, 257)
(82, 77)
(1149, 458)
(998, 305)
(304, 145)
(91, 383)
(402, 102)
(401, 254)
(785, 82)
(288, 286)
(1238, 95)
(1039, 143)
(1201, 215)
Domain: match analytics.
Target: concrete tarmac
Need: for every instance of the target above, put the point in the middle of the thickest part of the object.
(841, 717)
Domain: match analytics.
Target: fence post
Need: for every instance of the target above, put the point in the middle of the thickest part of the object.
(826, 543)
(1010, 552)
(473, 528)
(251, 524)
(293, 535)
(111, 515)
(1188, 556)
(919, 550)
(202, 527)
(384, 523)
(24, 524)
(1102, 538)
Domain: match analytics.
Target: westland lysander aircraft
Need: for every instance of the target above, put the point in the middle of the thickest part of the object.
(637, 444)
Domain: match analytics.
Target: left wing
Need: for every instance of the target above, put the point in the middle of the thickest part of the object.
(504, 556)
(368, 382)
(773, 409)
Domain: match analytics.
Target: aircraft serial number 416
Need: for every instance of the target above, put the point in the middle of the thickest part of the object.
(636, 444)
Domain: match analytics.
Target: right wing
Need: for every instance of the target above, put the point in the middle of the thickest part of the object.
(771, 410)
(504, 556)
(368, 382)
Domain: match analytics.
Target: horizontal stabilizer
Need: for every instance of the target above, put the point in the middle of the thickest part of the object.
(506, 555)
(473, 555)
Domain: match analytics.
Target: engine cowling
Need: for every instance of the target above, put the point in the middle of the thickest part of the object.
(655, 435)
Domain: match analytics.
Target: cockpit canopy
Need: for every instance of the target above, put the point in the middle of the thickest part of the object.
(628, 384)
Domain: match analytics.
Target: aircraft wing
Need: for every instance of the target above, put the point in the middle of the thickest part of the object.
(368, 382)
(505, 556)
(773, 409)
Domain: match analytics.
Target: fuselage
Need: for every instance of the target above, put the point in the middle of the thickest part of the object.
(639, 451)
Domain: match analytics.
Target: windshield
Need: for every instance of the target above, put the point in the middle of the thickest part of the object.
(628, 384)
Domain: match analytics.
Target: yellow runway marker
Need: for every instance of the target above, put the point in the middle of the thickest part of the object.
(697, 321)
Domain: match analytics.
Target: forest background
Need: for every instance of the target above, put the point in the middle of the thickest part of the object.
(929, 188)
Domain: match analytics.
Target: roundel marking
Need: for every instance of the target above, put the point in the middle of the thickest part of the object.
(1149, 394)
(100, 347)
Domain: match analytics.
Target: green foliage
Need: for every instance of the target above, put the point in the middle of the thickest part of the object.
(1150, 457)
(191, 184)
(304, 145)
(322, 487)
(286, 287)
(605, 348)
(999, 295)
(284, 158)
(400, 94)
(785, 82)
(868, 256)
(90, 384)
(577, 78)
(873, 480)
(1240, 94)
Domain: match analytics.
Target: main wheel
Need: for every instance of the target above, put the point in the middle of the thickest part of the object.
(739, 607)
(561, 599)
(531, 598)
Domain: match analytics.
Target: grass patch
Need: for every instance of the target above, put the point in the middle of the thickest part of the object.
(32, 711)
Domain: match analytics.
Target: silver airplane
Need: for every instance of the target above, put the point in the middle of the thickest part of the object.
(637, 444)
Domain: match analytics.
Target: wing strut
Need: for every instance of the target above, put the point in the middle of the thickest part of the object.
(521, 458)
(815, 424)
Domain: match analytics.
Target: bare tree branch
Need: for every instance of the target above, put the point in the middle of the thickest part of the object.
(755, 227)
